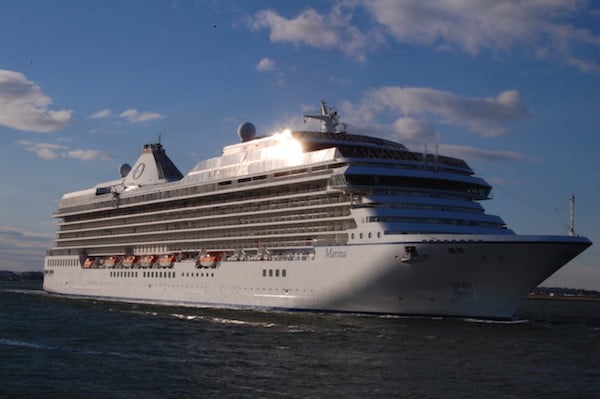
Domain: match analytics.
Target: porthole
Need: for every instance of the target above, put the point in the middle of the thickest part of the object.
(370, 235)
(361, 235)
(379, 234)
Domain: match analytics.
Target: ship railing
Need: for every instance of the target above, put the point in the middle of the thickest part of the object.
(206, 219)
(205, 233)
(208, 200)
(184, 212)
(273, 239)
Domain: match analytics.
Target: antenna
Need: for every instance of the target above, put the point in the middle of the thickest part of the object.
(572, 215)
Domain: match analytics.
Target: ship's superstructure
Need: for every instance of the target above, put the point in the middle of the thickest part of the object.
(321, 220)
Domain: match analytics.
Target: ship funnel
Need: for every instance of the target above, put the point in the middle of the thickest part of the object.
(152, 167)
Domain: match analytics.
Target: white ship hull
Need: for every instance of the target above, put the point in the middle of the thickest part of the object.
(450, 276)
(326, 221)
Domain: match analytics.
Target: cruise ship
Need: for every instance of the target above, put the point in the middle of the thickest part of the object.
(300, 220)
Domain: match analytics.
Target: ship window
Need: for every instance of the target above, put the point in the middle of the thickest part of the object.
(276, 272)
(270, 272)
(361, 235)
(264, 272)
(283, 273)
(370, 235)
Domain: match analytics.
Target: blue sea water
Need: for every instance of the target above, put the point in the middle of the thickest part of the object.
(57, 347)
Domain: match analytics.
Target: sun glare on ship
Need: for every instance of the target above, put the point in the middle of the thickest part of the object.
(287, 148)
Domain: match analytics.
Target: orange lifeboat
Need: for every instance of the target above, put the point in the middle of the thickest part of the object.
(129, 261)
(148, 260)
(211, 260)
(111, 261)
(167, 260)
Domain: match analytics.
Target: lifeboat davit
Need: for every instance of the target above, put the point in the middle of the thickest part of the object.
(129, 261)
(148, 260)
(111, 261)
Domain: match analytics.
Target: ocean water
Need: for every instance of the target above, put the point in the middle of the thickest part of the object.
(57, 347)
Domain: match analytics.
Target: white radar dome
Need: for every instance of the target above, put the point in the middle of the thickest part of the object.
(124, 169)
(246, 131)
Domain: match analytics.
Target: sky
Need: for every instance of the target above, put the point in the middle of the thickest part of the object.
(513, 87)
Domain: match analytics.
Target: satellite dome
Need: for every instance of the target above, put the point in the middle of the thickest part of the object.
(124, 169)
(246, 131)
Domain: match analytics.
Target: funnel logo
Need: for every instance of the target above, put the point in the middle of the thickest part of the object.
(137, 172)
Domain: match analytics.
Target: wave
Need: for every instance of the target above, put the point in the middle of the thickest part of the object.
(91, 352)
(489, 321)
(24, 291)
(221, 320)
(23, 344)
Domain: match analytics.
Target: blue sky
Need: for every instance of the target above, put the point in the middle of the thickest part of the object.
(511, 86)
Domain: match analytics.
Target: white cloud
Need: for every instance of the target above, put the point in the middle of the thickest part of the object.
(545, 29)
(485, 116)
(135, 116)
(105, 113)
(472, 153)
(309, 27)
(21, 250)
(379, 109)
(496, 25)
(265, 64)
(24, 106)
(313, 29)
(412, 130)
(43, 150)
(89, 155)
(50, 151)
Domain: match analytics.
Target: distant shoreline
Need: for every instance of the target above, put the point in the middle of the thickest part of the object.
(564, 298)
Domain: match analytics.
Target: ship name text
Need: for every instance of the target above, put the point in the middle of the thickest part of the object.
(331, 253)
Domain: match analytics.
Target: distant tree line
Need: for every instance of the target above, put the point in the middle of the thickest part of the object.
(6, 275)
(564, 292)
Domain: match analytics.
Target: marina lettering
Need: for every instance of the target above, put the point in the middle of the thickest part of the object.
(331, 253)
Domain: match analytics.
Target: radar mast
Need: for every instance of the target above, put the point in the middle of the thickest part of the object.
(329, 118)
